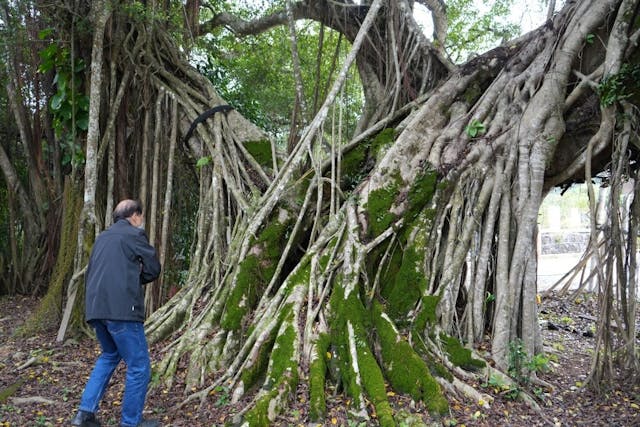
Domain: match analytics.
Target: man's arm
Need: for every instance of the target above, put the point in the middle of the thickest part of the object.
(148, 258)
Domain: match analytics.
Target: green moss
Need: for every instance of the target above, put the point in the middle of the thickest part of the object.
(326, 257)
(253, 374)
(317, 373)
(439, 370)
(421, 192)
(427, 315)
(9, 391)
(373, 383)
(379, 203)
(408, 285)
(244, 294)
(345, 309)
(352, 164)
(358, 161)
(472, 93)
(255, 272)
(459, 355)
(436, 368)
(404, 368)
(390, 268)
(277, 351)
(300, 276)
(283, 364)
(382, 141)
(283, 374)
(49, 309)
(258, 416)
(348, 310)
(275, 231)
(261, 152)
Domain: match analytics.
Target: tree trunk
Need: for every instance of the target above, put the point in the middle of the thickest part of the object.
(88, 226)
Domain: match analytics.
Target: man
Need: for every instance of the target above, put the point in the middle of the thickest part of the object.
(121, 262)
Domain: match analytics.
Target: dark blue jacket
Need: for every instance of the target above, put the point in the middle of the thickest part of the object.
(121, 262)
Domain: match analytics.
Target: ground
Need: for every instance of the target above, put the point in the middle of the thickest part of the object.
(41, 382)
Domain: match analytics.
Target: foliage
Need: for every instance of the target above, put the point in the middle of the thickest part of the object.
(475, 128)
(222, 393)
(472, 30)
(203, 161)
(522, 367)
(69, 105)
(620, 86)
(255, 73)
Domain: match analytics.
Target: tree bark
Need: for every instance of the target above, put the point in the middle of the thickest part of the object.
(88, 226)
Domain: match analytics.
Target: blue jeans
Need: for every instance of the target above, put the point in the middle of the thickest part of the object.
(120, 341)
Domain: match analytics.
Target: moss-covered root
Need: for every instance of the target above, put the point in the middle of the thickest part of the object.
(255, 271)
(359, 371)
(282, 373)
(406, 370)
(317, 374)
(371, 377)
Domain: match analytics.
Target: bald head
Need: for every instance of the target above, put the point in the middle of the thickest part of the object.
(126, 208)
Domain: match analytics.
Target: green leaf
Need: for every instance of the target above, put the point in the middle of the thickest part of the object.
(65, 112)
(82, 122)
(490, 298)
(80, 66)
(45, 34)
(49, 52)
(48, 56)
(203, 161)
(56, 101)
(475, 128)
(82, 103)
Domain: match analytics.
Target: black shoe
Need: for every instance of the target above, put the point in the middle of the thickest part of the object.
(85, 419)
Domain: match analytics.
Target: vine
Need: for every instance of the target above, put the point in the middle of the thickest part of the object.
(69, 106)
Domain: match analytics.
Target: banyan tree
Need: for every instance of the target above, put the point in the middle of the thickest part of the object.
(378, 261)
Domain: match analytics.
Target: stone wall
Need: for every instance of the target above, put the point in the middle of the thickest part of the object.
(563, 242)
